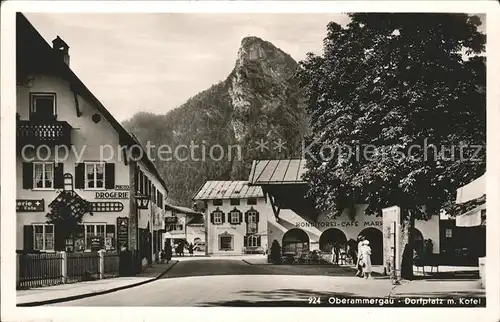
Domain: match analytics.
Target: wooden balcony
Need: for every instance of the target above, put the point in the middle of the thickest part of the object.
(50, 133)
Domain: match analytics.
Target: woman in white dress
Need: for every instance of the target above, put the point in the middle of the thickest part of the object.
(359, 271)
(366, 253)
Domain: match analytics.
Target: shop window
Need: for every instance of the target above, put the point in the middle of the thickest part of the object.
(94, 230)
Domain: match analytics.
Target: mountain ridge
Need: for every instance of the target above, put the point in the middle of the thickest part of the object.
(259, 100)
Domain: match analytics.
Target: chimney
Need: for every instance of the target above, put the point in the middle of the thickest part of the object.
(61, 48)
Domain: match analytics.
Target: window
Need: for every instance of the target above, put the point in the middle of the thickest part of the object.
(217, 202)
(43, 175)
(235, 202)
(251, 201)
(43, 237)
(94, 175)
(176, 227)
(43, 106)
(234, 216)
(251, 222)
(94, 230)
(448, 233)
(253, 241)
(225, 241)
(217, 217)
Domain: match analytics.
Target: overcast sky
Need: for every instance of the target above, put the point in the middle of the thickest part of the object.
(155, 62)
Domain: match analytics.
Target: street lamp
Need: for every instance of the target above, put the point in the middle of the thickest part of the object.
(141, 201)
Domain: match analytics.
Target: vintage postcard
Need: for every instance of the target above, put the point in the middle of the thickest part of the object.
(319, 156)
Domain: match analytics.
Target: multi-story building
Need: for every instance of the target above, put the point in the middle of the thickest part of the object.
(74, 158)
(236, 217)
(299, 228)
(183, 225)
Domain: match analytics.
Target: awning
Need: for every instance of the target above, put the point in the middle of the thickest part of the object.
(471, 191)
(472, 218)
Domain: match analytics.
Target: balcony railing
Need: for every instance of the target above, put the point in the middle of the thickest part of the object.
(43, 133)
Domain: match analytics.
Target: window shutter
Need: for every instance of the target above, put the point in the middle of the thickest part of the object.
(241, 218)
(246, 217)
(59, 176)
(256, 216)
(212, 218)
(28, 175)
(245, 241)
(59, 239)
(223, 215)
(80, 176)
(110, 229)
(110, 176)
(138, 182)
(28, 238)
(258, 241)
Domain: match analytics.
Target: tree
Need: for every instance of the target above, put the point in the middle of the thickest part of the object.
(66, 215)
(390, 100)
(275, 252)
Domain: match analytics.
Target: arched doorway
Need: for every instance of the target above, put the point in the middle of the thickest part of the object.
(418, 240)
(332, 237)
(376, 239)
(295, 241)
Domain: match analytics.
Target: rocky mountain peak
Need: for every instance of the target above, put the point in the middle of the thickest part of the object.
(259, 100)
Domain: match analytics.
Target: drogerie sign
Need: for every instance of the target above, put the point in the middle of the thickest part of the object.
(111, 195)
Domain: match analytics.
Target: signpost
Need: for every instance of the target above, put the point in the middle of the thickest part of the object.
(24, 205)
(122, 232)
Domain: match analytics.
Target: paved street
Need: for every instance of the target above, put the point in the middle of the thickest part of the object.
(233, 282)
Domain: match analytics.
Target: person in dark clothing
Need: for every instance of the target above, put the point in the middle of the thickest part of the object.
(191, 249)
(168, 253)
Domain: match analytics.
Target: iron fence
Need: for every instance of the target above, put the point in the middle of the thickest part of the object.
(38, 270)
(82, 267)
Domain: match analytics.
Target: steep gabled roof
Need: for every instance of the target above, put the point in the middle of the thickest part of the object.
(182, 210)
(228, 190)
(272, 172)
(33, 53)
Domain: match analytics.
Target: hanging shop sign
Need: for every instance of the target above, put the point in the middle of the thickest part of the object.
(23, 205)
(122, 232)
(112, 195)
(122, 187)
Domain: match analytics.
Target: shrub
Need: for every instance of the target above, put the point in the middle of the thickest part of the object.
(276, 252)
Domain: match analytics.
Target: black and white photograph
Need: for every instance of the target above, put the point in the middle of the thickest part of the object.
(166, 159)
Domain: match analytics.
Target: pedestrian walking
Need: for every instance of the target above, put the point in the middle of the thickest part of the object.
(359, 271)
(333, 259)
(366, 253)
(168, 253)
(191, 249)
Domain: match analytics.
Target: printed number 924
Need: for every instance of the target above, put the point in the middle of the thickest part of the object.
(314, 300)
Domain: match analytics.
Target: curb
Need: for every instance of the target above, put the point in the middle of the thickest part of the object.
(81, 296)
